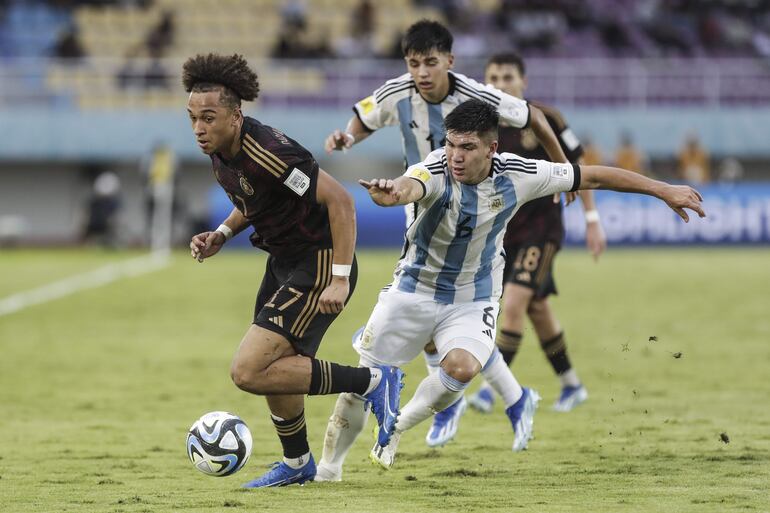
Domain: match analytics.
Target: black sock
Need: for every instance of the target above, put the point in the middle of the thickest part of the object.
(293, 435)
(556, 351)
(508, 342)
(332, 378)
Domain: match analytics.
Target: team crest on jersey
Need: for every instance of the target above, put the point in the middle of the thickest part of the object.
(246, 186)
(367, 104)
(496, 204)
(366, 338)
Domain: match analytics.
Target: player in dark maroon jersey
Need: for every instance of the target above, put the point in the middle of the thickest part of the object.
(305, 220)
(532, 239)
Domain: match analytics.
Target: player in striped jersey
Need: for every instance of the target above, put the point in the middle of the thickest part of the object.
(447, 285)
(304, 219)
(418, 100)
(417, 103)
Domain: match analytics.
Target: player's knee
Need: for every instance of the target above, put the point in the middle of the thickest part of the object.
(514, 311)
(460, 365)
(245, 378)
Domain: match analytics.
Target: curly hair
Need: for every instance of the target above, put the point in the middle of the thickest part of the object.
(204, 73)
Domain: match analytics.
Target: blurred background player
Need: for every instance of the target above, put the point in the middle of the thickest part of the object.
(103, 209)
(693, 162)
(417, 102)
(532, 240)
(628, 156)
(305, 220)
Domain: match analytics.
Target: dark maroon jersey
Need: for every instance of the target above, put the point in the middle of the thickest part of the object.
(272, 181)
(539, 219)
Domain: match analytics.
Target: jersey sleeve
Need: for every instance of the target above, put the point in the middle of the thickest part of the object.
(430, 175)
(538, 178)
(513, 111)
(293, 167)
(379, 109)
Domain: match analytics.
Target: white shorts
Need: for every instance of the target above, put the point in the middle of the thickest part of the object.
(402, 323)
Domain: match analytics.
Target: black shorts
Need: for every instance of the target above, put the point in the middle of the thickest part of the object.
(531, 265)
(287, 302)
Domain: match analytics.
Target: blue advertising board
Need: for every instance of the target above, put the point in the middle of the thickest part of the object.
(735, 214)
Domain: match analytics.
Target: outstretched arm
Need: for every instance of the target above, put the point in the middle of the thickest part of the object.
(678, 197)
(388, 193)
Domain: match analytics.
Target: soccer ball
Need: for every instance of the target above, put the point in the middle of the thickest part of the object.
(219, 444)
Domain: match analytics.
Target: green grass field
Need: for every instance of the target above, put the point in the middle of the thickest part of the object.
(98, 389)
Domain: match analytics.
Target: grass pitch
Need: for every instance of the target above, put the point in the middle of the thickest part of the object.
(98, 390)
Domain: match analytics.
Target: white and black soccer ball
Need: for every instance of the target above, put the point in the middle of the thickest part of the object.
(219, 443)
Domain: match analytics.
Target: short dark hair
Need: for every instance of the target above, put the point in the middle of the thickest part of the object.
(231, 73)
(511, 58)
(473, 116)
(424, 36)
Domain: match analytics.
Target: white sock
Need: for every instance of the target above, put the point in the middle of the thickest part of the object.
(432, 361)
(569, 378)
(374, 380)
(501, 379)
(347, 421)
(434, 393)
(297, 463)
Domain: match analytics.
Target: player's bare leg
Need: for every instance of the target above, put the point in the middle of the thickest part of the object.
(267, 364)
(551, 337)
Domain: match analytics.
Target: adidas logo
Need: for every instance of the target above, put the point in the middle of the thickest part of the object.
(488, 333)
(277, 320)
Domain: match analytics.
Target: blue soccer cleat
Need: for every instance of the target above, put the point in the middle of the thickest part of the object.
(522, 417)
(570, 398)
(445, 424)
(283, 475)
(385, 400)
(483, 400)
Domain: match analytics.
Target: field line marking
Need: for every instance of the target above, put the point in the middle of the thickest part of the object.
(84, 281)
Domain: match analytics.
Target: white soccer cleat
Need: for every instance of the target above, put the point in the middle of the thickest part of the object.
(522, 417)
(326, 472)
(570, 398)
(385, 456)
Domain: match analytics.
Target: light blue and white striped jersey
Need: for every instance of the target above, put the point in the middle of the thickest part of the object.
(398, 102)
(453, 249)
